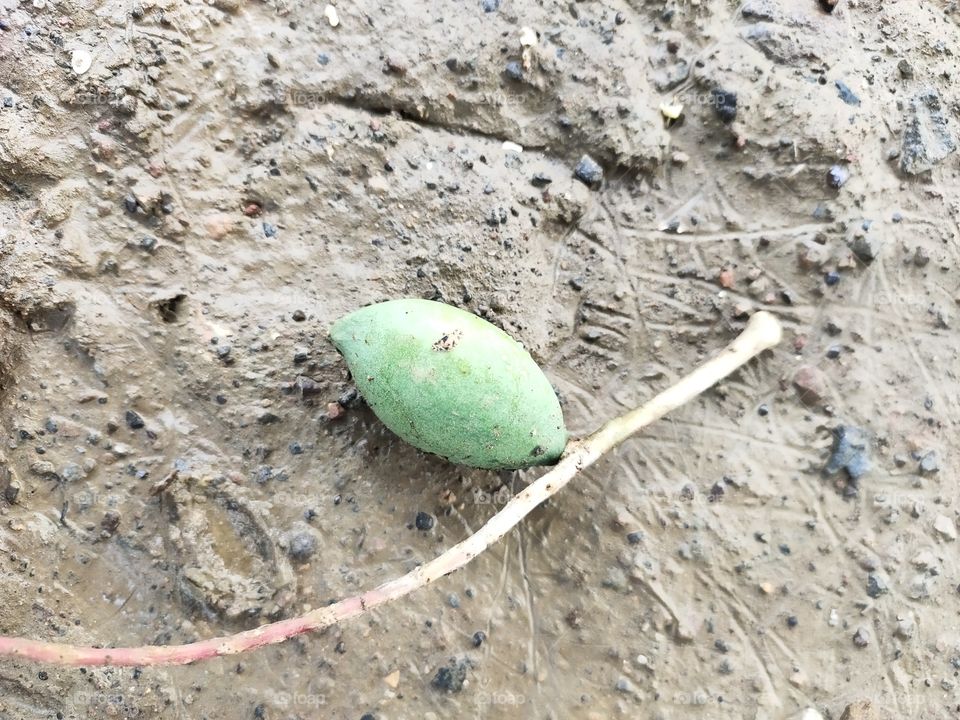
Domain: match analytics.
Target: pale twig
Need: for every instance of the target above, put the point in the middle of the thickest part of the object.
(762, 332)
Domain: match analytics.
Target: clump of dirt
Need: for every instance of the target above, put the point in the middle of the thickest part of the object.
(181, 222)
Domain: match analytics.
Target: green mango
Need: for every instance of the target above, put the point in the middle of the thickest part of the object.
(452, 384)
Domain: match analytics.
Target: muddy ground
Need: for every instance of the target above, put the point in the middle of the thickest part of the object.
(183, 219)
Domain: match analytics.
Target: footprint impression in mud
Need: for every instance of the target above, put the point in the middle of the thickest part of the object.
(229, 567)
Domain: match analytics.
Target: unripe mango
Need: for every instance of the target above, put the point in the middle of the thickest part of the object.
(452, 384)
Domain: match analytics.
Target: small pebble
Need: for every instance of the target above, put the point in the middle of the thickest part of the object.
(514, 70)
(451, 678)
(930, 463)
(540, 180)
(134, 421)
(478, 637)
(724, 104)
(877, 585)
(945, 527)
(861, 638)
(846, 94)
(424, 521)
(302, 546)
(589, 172)
(80, 61)
(330, 13)
(850, 452)
(837, 176)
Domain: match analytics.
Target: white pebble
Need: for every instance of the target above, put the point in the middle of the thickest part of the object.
(528, 37)
(512, 147)
(945, 527)
(80, 61)
(330, 12)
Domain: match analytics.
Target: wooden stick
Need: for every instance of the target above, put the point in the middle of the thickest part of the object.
(762, 332)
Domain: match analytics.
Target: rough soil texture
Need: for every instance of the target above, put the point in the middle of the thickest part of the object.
(182, 222)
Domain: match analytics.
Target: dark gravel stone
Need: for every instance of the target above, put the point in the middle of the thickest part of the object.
(832, 278)
(514, 70)
(450, 678)
(302, 546)
(72, 473)
(110, 521)
(846, 94)
(865, 246)
(478, 637)
(589, 172)
(299, 316)
(490, 6)
(348, 397)
(850, 452)
(130, 204)
(837, 176)
(134, 421)
(269, 230)
(877, 585)
(724, 104)
(424, 521)
(927, 136)
(540, 180)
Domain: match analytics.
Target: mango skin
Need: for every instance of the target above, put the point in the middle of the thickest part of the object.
(452, 384)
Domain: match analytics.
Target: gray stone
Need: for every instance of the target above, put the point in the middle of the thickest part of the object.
(927, 137)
